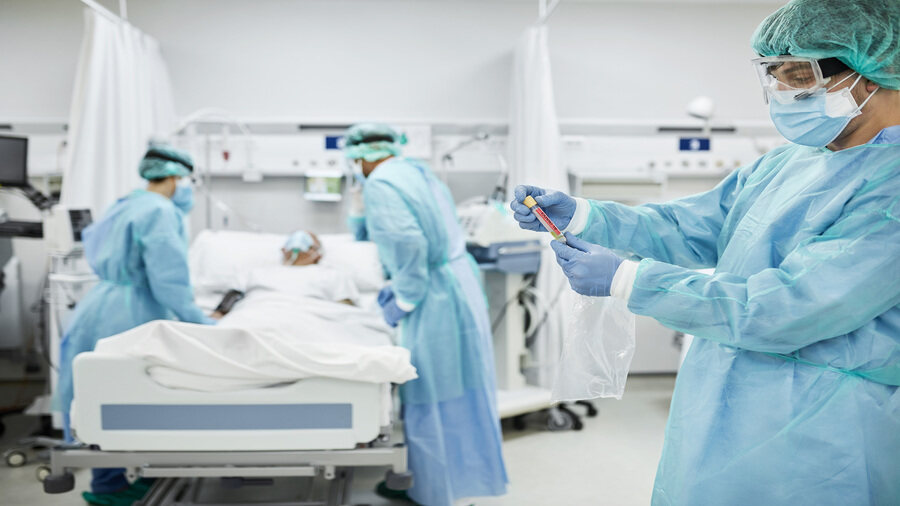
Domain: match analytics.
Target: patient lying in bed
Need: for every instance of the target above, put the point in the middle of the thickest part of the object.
(286, 328)
(335, 268)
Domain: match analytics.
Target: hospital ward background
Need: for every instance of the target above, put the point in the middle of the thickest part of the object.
(282, 350)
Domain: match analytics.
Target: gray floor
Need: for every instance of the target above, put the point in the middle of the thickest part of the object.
(612, 461)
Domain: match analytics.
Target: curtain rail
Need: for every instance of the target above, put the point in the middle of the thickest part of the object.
(545, 10)
(104, 11)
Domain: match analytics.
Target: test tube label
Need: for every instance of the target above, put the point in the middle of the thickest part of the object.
(553, 230)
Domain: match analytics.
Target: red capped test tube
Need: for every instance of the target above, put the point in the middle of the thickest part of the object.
(544, 219)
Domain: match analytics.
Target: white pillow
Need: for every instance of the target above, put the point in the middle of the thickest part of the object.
(220, 260)
(359, 258)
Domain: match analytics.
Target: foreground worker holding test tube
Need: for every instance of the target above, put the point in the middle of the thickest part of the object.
(790, 393)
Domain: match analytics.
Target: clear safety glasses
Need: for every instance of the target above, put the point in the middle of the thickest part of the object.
(782, 75)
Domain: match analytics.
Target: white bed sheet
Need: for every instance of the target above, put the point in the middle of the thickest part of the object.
(268, 338)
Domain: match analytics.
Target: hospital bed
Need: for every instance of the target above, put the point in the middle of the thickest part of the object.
(145, 403)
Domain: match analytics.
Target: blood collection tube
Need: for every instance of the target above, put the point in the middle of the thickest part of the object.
(543, 218)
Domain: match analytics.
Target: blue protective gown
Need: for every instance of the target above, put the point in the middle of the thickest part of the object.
(789, 396)
(450, 417)
(139, 252)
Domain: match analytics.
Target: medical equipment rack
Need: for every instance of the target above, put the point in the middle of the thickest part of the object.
(177, 472)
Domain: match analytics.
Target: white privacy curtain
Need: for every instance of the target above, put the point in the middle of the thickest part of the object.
(534, 153)
(122, 99)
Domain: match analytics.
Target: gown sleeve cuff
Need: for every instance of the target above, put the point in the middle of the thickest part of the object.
(623, 280)
(580, 218)
(405, 306)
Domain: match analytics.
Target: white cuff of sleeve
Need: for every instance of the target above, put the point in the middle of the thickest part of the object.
(405, 306)
(623, 280)
(580, 218)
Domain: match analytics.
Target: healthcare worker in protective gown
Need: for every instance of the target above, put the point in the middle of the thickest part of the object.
(435, 297)
(139, 252)
(788, 395)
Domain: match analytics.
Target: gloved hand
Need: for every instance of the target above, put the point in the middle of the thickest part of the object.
(392, 312)
(388, 302)
(385, 295)
(560, 208)
(589, 267)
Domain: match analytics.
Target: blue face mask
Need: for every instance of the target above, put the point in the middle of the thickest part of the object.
(356, 167)
(816, 120)
(183, 198)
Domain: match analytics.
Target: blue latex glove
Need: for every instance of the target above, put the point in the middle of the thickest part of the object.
(560, 208)
(385, 295)
(392, 312)
(589, 267)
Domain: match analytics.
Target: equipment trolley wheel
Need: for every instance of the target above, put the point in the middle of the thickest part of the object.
(41, 473)
(15, 458)
(59, 483)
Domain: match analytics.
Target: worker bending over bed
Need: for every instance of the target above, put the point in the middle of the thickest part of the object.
(450, 420)
(139, 252)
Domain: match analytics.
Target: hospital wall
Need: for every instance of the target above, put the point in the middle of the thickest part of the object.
(401, 59)
(422, 61)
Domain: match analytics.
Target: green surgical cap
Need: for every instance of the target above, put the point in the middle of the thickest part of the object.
(864, 34)
(162, 160)
(372, 142)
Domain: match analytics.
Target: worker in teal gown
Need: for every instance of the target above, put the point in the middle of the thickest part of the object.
(435, 297)
(139, 252)
(789, 393)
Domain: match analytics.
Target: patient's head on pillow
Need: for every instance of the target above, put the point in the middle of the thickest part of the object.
(302, 248)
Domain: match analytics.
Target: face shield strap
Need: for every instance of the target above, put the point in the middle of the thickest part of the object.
(809, 93)
(156, 155)
(832, 67)
(373, 138)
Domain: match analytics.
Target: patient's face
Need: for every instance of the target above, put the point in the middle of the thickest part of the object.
(308, 257)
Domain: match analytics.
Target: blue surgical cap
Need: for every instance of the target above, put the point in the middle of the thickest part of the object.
(162, 160)
(863, 34)
(372, 142)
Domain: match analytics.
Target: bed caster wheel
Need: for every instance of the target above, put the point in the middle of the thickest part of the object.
(398, 481)
(59, 483)
(15, 458)
(589, 406)
(41, 473)
(563, 419)
(519, 423)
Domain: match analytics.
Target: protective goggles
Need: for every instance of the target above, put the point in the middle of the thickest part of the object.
(805, 76)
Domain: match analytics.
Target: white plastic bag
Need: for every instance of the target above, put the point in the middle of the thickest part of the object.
(597, 351)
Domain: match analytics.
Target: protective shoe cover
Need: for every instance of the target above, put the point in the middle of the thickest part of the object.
(139, 252)
(450, 417)
(124, 497)
(861, 33)
(789, 396)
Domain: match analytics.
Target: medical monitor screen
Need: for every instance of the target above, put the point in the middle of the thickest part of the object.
(13, 157)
